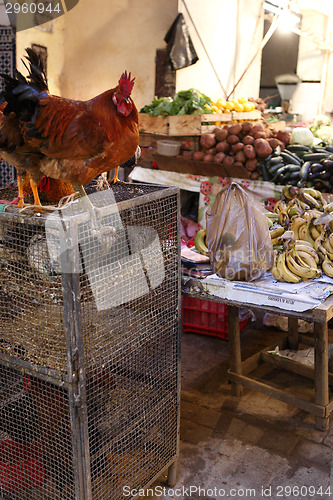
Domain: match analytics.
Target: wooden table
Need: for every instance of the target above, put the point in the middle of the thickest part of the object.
(239, 372)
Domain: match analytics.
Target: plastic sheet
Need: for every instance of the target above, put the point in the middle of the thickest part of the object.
(238, 239)
(179, 44)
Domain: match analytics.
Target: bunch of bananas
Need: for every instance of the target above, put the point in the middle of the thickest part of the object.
(301, 229)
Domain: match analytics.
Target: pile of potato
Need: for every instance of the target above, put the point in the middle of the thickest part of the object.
(241, 144)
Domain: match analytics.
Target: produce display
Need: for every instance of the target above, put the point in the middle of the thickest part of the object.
(322, 129)
(225, 106)
(194, 102)
(185, 102)
(301, 229)
(300, 166)
(241, 144)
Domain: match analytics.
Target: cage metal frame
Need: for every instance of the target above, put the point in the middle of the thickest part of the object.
(74, 380)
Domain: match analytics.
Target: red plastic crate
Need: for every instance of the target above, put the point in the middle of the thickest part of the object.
(206, 317)
(21, 465)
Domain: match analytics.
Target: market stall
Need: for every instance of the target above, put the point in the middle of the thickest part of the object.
(296, 306)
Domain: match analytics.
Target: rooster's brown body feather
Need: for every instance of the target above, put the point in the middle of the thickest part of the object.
(72, 141)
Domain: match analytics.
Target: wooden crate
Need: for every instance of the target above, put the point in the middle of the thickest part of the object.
(192, 125)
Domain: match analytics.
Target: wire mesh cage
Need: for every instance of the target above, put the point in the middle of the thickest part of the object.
(89, 345)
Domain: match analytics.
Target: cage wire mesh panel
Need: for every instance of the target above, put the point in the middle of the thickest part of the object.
(89, 345)
(7, 65)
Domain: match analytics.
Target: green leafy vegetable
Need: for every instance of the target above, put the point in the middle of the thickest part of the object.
(186, 102)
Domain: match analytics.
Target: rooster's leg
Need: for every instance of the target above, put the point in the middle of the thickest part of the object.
(33, 185)
(20, 182)
(115, 177)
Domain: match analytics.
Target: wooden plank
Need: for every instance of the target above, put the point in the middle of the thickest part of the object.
(179, 164)
(306, 315)
(293, 332)
(214, 117)
(306, 339)
(153, 124)
(324, 312)
(192, 125)
(234, 346)
(321, 370)
(247, 115)
(329, 409)
(194, 167)
(281, 395)
(292, 366)
(184, 125)
(251, 363)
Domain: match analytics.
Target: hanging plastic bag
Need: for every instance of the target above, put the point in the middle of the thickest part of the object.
(238, 239)
(179, 44)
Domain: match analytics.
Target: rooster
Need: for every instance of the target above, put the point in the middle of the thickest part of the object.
(73, 141)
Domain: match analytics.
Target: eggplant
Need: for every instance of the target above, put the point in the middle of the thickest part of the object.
(317, 167)
(305, 169)
(328, 164)
(264, 171)
(324, 176)
(321, 185)
(312, 176)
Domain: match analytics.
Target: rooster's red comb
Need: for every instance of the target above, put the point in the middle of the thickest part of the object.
(126, 84)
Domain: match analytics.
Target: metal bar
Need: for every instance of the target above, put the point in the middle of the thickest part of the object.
(72, 392)
(42, 372)
(75, 361)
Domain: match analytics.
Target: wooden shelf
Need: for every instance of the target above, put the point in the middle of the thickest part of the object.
(181, 125)
(180, 165)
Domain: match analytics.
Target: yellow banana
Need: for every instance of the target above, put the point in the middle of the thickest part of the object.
(200, 242)
(327, 267)
(306, 198)
(304, 243)
(313, 192)
(303, 205)
(330, 238)
(304, 234)
(329, 207)
(280, 206)
(284, 270)
(300, 268)
(289, 192)
(327, 245)
(274, 270)
(296, 223)
(276, 232)
(318, 244)
(269, 222)
(284, 219)
(314, 233)
(308, 258)
(304, 246)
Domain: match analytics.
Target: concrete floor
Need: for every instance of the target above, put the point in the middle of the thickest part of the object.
(248, 447)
